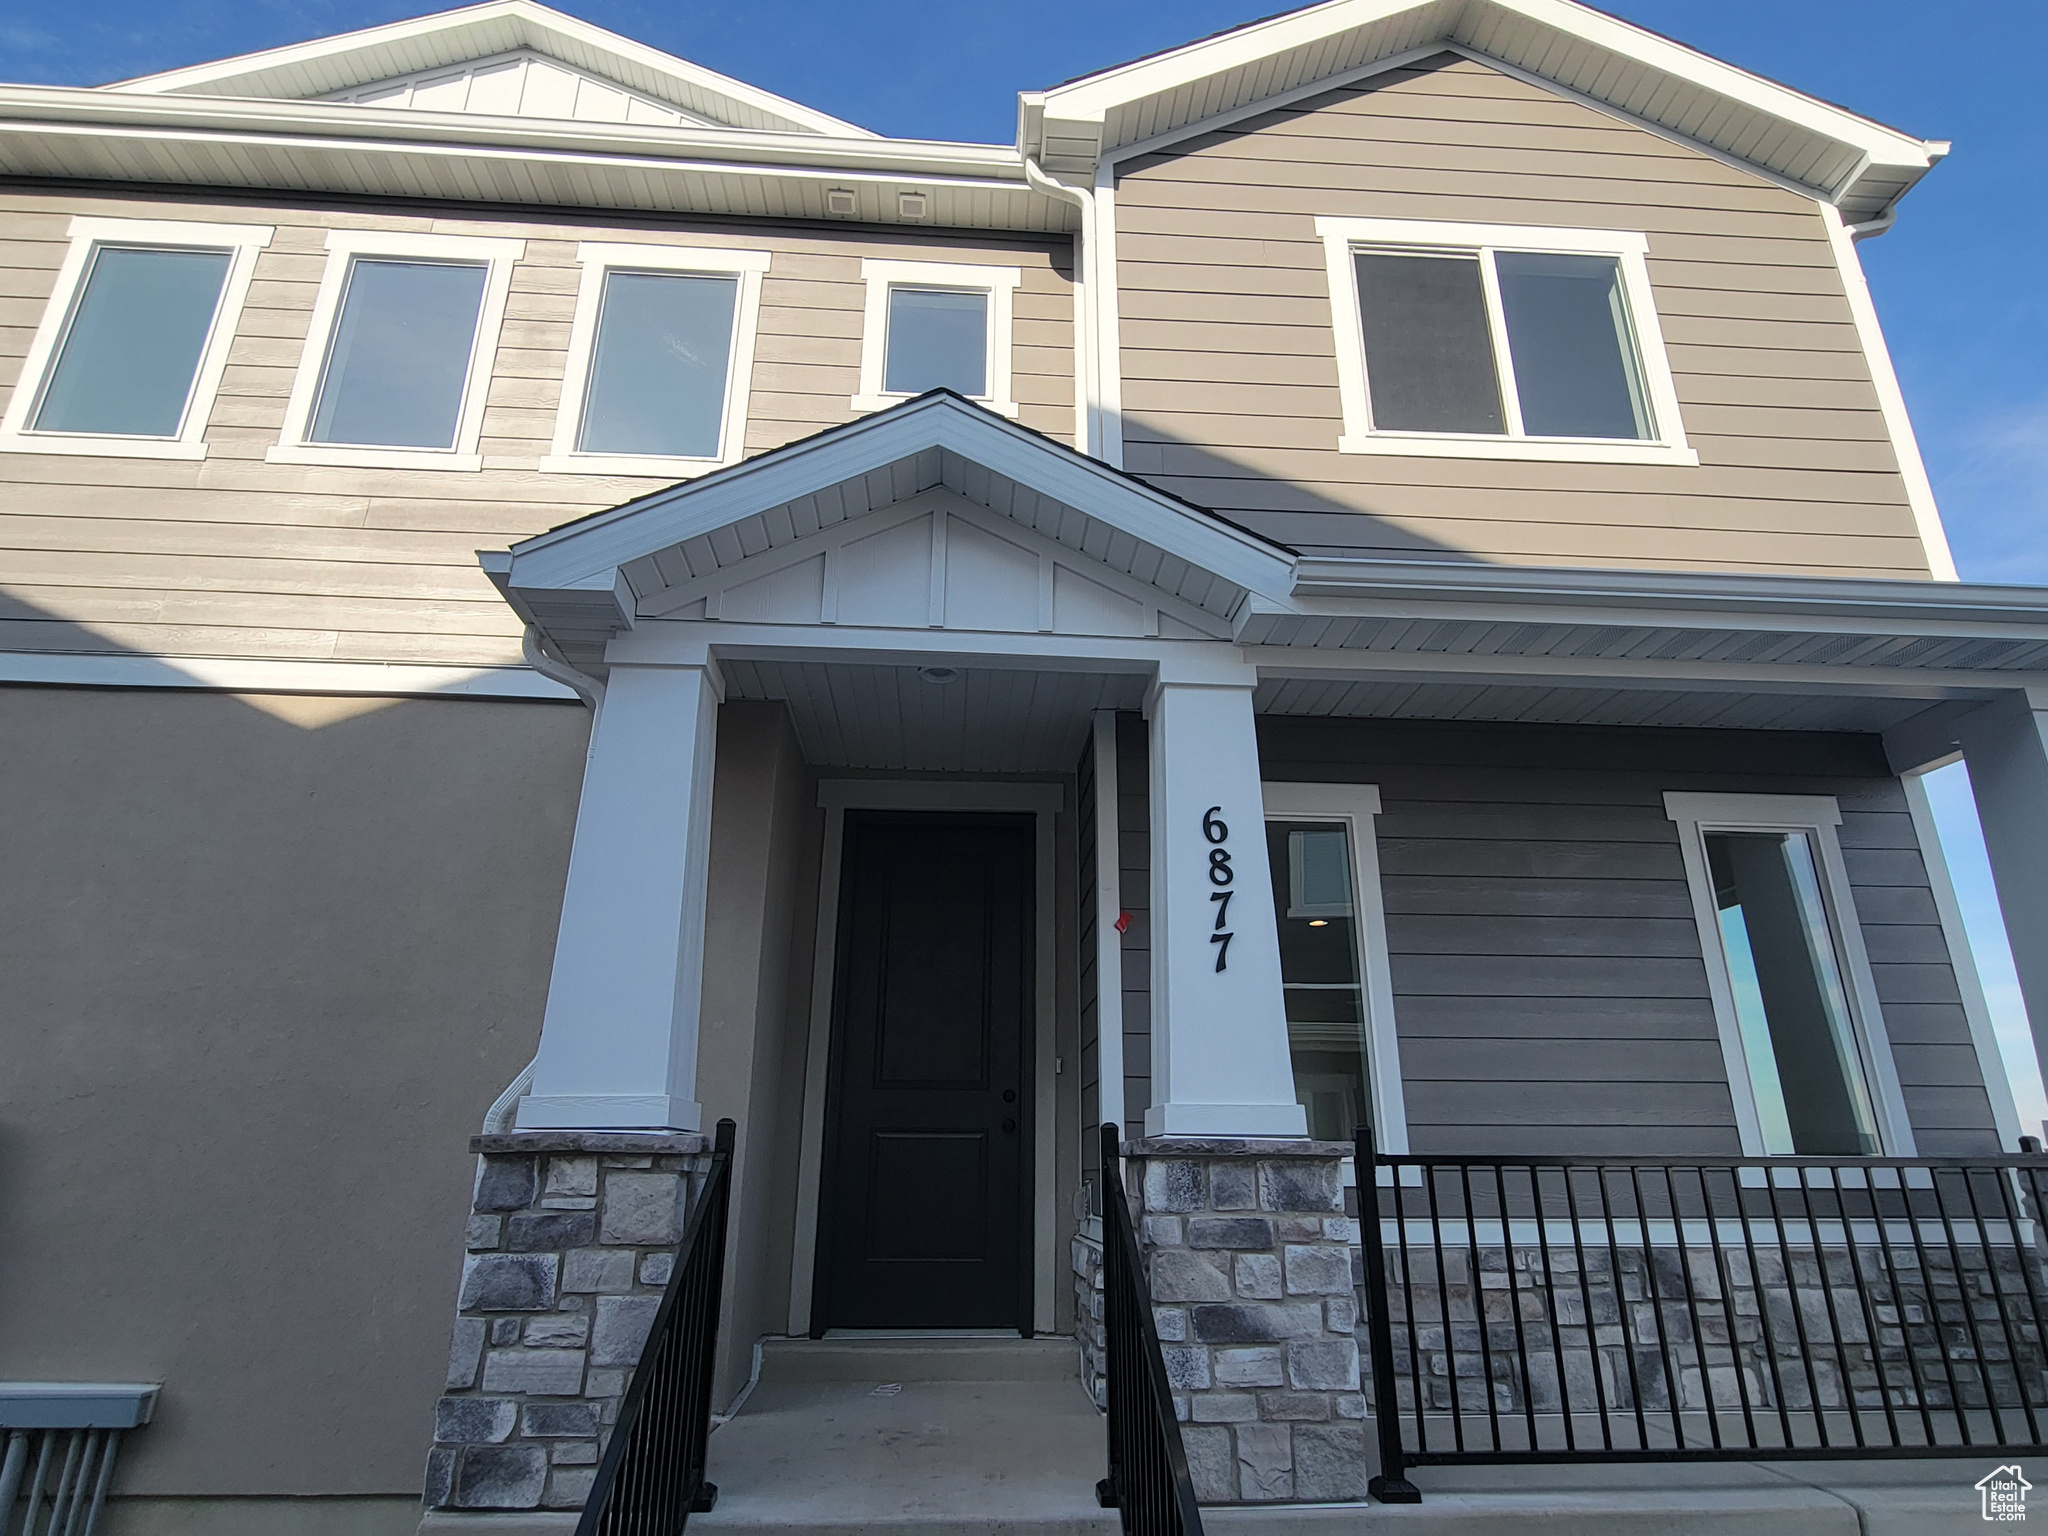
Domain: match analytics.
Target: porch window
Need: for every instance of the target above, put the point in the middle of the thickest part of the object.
(131, 348)
(934, 325)
(1333, 966)
(398, 359)
(661, 360)
(1791, 982)
(1490, 341)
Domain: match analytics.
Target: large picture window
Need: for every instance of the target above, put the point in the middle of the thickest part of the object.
(398, 357)
(1809, 1064)
(1333, 960)
(660, 360)
(1478, 340)
(131, 348)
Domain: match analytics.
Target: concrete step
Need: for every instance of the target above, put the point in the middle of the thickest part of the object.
(903, 1359)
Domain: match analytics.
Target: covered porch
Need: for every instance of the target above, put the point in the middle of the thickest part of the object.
(951, 795)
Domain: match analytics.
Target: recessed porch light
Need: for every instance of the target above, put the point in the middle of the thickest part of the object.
(939, 674)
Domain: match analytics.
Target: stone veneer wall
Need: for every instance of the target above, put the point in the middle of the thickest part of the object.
(571, 1238)
(1253, 1276)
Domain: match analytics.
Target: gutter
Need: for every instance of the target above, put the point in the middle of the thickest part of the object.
(1087, 361)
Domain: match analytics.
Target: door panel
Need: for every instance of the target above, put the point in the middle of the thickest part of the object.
(923, 1217)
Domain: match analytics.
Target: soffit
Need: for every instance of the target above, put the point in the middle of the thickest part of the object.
(1843, 157)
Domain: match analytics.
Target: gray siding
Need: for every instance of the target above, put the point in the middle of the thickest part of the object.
(1549, 987)
(1230, 387)
(231, 556)
(1134, 867)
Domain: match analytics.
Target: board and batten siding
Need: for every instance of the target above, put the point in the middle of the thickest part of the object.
(234, 557)
(1549, 987)
(1228, 357)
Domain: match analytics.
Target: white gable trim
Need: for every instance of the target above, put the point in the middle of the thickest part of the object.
(582, 551)
(510, 77)
(972, 569)
(333, 64)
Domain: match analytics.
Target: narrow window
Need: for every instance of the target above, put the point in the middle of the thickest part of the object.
(133, 346)
(1568, 335)
(1790, 1003)
(938, 339)
(398, 366)
(660, 366)
(1428, 348)
(1320, 974)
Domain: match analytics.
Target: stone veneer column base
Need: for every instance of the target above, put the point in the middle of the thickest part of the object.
(571, 1238)
(1250, 1256)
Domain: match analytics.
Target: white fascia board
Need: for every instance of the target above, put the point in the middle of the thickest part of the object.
(1974, 608)
(236, 674)
(574, 554)
(1092, 99)
(46, 107)
(381, 55)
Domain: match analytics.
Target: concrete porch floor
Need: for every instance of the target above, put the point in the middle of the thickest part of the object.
(994, 1437)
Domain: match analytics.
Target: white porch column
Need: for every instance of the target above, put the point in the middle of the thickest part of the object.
(1220, 1064)
(618, 1044)
(2006, 745)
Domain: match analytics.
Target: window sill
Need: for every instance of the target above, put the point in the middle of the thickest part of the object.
(1527, 449)
(865, 402)
(627, 464)
(102, 447)
(371, 458)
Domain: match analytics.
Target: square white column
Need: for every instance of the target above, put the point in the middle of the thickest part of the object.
(618, 1044)
(2006, 745)
(1220, 1062)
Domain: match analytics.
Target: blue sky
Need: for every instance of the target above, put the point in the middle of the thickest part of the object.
(1957, 282)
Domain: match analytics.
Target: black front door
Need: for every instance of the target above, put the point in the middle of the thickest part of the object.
(922, 1218)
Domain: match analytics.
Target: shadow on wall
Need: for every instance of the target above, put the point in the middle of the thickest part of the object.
(267, 961)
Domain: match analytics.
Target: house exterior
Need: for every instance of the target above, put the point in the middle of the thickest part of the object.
(1371, 569)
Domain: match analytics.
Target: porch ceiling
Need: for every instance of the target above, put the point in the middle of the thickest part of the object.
(987, 720)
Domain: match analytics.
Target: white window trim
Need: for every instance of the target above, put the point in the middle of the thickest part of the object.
(999, 283)
(1819, 816)
(240, 241)
(1341, 237)
(343, 247)
(1356, 806)
(599, 261)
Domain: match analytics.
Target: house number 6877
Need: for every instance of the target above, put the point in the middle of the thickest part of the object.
(1217, 831)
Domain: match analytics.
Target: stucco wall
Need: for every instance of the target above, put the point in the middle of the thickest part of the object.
(266, 962)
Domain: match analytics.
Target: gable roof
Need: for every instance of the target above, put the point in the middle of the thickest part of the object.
(329, 66)
(1837, 155)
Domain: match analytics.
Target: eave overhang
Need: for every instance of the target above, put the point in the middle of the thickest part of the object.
(1835, 155)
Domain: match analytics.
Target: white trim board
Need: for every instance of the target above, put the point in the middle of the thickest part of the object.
(598, 261)
(1963, 960)
(1343, 237)
(1819, 816)
(240, 242)
(232, 674)
(1043, 800)
(344, 247)
(1356, 806)
(996, 283)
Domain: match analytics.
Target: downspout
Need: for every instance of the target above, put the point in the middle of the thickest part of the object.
(582, 684)
(1087, 366)
(1872, 228)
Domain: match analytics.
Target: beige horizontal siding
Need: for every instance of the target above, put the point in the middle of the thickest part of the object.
(233, 556)
(1229, 364)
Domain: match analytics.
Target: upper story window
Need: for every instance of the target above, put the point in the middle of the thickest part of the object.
(660, 360)
(1791, 982)
(1491, 341)
(936, 325)
(130, 351)
(398, 360)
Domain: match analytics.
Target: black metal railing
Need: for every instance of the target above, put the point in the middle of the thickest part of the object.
(1148, 1483)
(651, 1478)
(1663, 1309)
